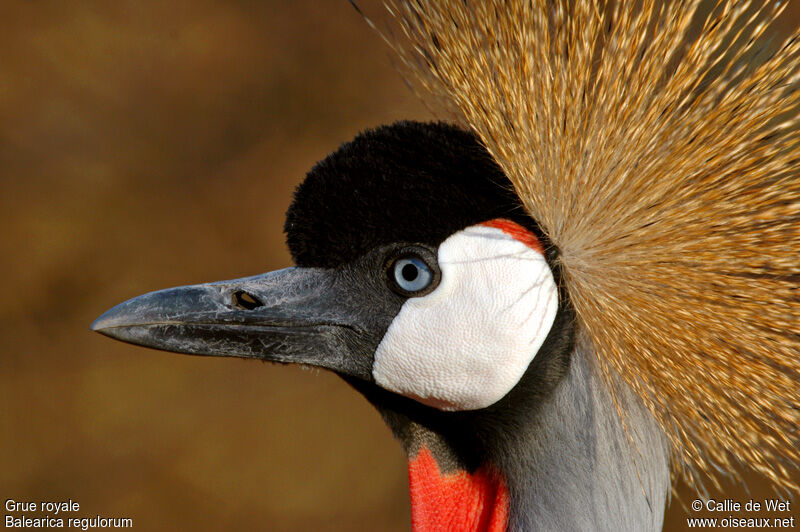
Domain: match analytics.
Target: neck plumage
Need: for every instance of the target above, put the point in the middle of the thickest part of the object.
(582, 469)
(573, 466)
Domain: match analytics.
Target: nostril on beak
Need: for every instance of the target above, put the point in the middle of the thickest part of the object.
(246, 301)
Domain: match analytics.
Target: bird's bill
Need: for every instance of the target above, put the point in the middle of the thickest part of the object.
(293, 315)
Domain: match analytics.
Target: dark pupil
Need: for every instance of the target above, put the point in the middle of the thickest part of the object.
(409, 272)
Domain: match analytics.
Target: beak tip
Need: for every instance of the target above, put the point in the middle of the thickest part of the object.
(118, 326)
(97, 325)
(108, 320)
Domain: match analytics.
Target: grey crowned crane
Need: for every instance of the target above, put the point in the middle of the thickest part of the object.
(580, 290)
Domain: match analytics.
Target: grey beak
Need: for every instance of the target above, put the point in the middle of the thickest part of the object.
(295, 315)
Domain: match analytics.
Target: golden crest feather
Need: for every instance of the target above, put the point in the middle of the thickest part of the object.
(658, 144)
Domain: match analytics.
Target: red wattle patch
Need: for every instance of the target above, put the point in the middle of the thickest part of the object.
(466, 502)
(517, 232)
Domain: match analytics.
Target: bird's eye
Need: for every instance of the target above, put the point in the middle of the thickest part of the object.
(411, 275)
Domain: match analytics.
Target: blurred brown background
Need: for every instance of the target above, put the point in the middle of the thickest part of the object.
(149, 144)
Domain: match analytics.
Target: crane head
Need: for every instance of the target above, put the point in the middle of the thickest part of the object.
(418, 278)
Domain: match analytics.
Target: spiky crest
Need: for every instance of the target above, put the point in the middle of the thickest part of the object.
(659, 148)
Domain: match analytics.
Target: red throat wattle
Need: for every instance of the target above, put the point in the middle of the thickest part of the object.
(462, 501)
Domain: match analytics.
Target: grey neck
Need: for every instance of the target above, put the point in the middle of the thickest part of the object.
(581, 470)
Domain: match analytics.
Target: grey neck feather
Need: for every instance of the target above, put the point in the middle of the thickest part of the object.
(582, 471)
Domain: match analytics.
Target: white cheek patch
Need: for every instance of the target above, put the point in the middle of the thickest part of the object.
(466, 344)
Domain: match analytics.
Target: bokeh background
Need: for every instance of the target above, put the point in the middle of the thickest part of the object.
(146, 144)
